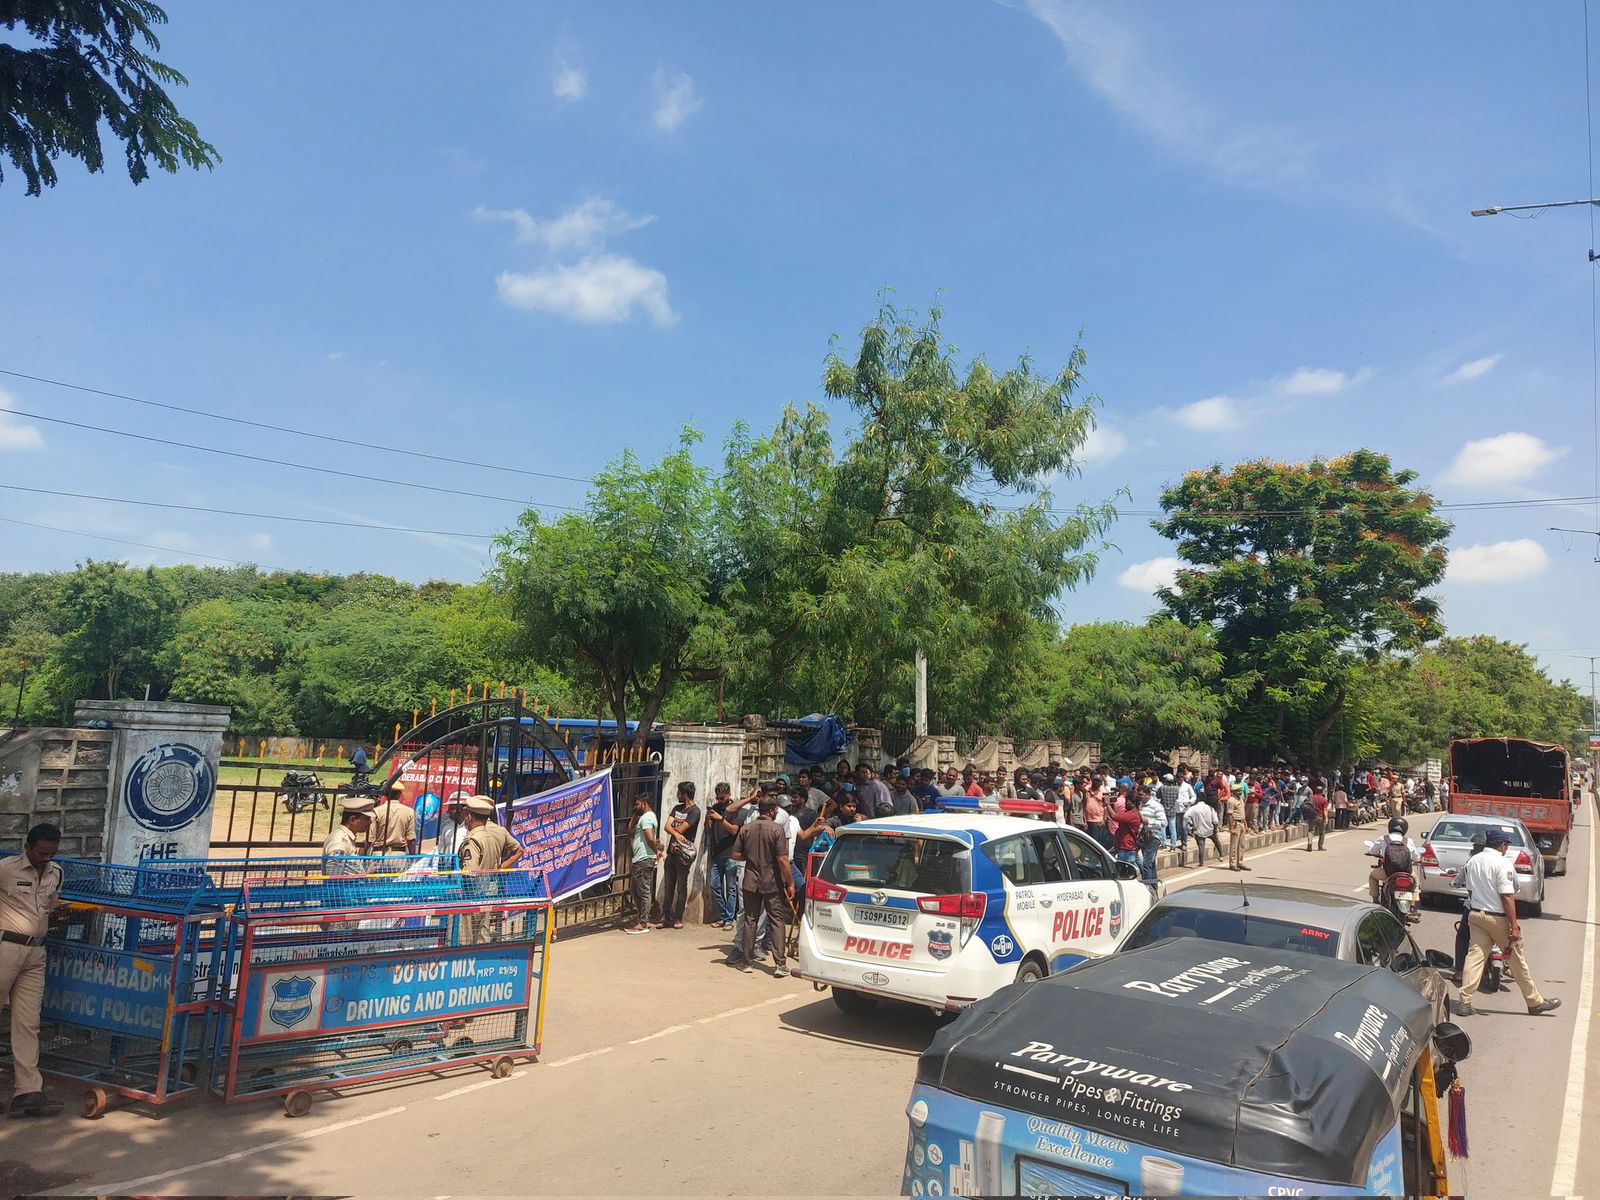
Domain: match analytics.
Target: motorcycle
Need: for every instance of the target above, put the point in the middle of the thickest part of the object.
(1400, 896)
(302, 790)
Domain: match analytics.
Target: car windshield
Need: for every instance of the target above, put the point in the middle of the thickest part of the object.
(1465, 831)
(932, 866)
(1240, 928)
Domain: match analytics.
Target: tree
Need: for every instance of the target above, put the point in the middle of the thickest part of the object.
(631, 590)
(932, 528)
(1464, 687)
(231, 652)
(1139, 690)
(90, 68)
(116, 622)
(1305, 571)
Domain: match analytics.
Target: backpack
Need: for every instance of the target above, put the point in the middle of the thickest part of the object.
(1396, 857)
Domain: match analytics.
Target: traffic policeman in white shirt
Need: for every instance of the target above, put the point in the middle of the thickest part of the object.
(30, 886)
(1491, 883)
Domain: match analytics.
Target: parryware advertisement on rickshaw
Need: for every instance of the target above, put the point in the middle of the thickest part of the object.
(1187, 1068)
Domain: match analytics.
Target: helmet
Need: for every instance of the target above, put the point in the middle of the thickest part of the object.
(1398, 825)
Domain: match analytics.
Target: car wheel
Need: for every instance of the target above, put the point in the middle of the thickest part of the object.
(856, 1004)
(1534, 909)
(1030, 972)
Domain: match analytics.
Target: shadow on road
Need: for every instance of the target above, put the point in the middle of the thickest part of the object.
(892, 1027)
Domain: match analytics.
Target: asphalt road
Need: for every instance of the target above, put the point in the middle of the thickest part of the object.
(666, 1073)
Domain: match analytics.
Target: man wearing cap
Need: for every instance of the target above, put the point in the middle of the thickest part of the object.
(341, 852)
(1491, 884)
(487, 848)
(30, 886)
(394, 823)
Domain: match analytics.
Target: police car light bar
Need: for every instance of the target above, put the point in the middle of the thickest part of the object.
(997, 804)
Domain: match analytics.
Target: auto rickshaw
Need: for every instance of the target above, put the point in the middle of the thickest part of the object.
(1188, 1068)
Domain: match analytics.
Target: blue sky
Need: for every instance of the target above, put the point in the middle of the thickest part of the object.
(532, 235)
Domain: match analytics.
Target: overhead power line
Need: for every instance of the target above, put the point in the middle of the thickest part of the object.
(231, 512)
(355, 443)
(279, 462)
(238, 562)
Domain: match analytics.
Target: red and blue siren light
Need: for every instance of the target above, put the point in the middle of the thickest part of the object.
(995, 804)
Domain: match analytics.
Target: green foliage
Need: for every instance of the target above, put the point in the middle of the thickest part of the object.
(1305, 571)
(90, 69)
(931, 528)
(114, 623)
(1139, 690)
(1465, 687)
(630, 591)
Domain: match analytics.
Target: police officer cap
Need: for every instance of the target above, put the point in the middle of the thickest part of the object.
(1497, 836)
(360, 805)
(480, 806)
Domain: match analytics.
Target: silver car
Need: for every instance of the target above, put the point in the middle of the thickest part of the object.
(1447, 846)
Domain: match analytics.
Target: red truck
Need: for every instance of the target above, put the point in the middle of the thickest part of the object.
(1527, 781)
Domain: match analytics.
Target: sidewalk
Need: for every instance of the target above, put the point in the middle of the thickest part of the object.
(1168, 860)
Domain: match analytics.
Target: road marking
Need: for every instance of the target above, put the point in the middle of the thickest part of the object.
(1291, 844)
(473, 1087)
(660, 1033)
(733, 1012)
(136, 1185)
(567, 1062)
(1565, 1180)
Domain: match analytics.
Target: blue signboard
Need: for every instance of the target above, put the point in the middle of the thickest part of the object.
(116, 990)
(566, 833)
(298, 999)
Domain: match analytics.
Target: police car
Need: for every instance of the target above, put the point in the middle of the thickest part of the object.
(943, 908)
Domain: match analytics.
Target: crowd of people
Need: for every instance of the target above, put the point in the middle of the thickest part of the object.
(1134, 814)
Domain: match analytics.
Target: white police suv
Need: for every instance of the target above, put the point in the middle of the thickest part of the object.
(943, 908)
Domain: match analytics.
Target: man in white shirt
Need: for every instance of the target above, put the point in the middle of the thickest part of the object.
(1491, 884)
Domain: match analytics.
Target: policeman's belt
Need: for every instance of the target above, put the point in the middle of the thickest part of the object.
(21, 939)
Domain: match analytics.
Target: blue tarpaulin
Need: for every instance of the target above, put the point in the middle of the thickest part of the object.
(825, 737)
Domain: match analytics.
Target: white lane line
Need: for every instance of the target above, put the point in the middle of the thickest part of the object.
(136, 1185)
(1565, 1180)
(567, 1062)
(660, 1033)
(473, 1087)
(733, 1012)
(1292, 844)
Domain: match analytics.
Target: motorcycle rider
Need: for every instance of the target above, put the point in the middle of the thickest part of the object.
(1395, 853)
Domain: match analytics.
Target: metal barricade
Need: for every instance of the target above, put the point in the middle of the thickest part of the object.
(358, 978)
(126, 1010)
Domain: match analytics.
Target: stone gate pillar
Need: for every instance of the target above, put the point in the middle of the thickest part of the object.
(163, 777)
(705, 756)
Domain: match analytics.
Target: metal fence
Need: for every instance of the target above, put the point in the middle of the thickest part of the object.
(273, 807)
(610, 900)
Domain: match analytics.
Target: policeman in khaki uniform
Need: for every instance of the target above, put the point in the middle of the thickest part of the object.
(342, 847)
(30, 885)
(1236, 829)
(487, 847)
(394, 824)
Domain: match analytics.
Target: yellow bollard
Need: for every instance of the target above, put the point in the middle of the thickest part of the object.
(261, 748)
(322, 749)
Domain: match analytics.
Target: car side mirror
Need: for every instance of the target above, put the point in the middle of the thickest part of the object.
(1127, 870)
(1452, 1042)
(1439, 960)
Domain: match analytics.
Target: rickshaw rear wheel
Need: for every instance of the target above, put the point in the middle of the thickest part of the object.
(95, 1103)
(297, 1103)
(501, 1067)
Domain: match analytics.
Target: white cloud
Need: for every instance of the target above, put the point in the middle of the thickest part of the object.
(676, 100)
(1211, 415)
(1102, 445)
(1497, 562)
(584, 226)
(1151, 574)
(1111, 61)
(601, 288)
(568, 82)
(1477, 368)
(1505, 458)
(14, 435)
(1315, 381)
